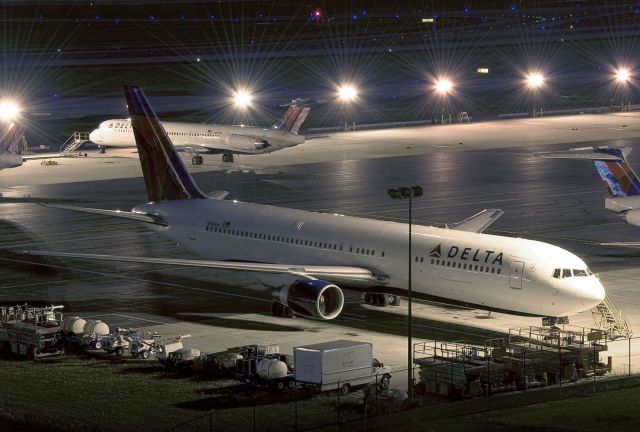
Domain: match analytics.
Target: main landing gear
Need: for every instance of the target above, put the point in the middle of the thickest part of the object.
(381, 299)
(227, 157)
(197, 160)
(280, 310)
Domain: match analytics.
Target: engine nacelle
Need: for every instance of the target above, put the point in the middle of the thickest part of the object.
(313, 298)
(633, 217)
(245, 143)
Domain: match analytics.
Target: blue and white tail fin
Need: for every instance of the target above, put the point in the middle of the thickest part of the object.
(612, 166)
(619, 178)
(297, 113)
(165, 175)
(11, 137)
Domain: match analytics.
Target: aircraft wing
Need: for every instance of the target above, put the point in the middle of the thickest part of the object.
(138, 217)
(357, 276)
(478, 222)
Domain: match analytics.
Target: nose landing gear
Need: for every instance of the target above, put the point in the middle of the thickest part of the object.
(197, 160)
(227, 157)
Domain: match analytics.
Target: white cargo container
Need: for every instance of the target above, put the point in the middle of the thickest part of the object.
(338, 365)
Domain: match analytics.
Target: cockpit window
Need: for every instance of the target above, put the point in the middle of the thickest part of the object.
(589, 272)
(579, 272)
(566, 273)
(557, 273)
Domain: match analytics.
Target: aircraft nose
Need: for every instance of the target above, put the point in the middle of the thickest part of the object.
(593, 294)
(95, 136)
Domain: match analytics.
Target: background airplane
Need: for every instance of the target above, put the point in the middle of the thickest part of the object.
(619, 178)
(304, 259)
(198, 138)
(10, 138)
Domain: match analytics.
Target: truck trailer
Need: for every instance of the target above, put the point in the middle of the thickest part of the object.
(339, 365)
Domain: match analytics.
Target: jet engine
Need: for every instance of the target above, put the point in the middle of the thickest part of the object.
(312, 298)
(633, 217)
(245, 143)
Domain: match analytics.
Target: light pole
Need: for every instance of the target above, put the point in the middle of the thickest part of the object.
(535, 80)
(410, 193)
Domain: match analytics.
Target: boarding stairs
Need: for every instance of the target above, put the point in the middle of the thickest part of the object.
(610, 319)
(73, 143)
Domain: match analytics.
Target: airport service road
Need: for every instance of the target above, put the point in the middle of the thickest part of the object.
(557, 201)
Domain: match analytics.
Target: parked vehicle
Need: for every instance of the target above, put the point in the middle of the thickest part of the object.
(339, 365)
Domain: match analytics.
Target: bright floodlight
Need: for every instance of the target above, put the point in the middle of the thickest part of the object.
(622, 75)
(347, 93)
(8, 110)
(535, 80)
(443, 86)
(242, 98)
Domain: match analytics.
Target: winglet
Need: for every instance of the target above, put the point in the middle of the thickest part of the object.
(478, 222)
(165, 175)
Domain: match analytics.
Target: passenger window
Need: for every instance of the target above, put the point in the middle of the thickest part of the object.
(382, 253)
(431, 260)
(499, 270)
(566, 273)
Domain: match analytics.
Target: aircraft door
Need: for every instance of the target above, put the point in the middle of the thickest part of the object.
(194, 227)
(515, 278)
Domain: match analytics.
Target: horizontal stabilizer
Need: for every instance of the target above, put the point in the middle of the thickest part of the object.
(355, 276)
(588, 153)
(478, 222)
(138, 217)
(621, 244)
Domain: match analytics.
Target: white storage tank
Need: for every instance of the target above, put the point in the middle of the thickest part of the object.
(73, 325)
(269, 368)
(96, 327)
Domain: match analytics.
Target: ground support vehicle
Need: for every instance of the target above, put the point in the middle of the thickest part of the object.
(526, 358)
(264, 366)
(143, 346)
(341, 365)
(34, 332)
(166, 346)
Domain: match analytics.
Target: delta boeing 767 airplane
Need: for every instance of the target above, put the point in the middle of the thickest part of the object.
(313, 256)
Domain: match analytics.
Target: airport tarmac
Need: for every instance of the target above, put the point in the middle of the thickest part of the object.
(462, 168)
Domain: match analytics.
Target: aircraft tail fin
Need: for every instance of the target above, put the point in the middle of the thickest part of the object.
(293, 118)
(617, 175)
(165, 175)
(611, 164)
(10, 137)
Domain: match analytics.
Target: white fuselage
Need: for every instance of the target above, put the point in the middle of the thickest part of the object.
(9, 160)
(487, 271)
(202, 137)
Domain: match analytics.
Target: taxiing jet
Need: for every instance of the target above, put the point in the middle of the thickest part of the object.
(198, 138)
(10, 137)
(311, 257)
